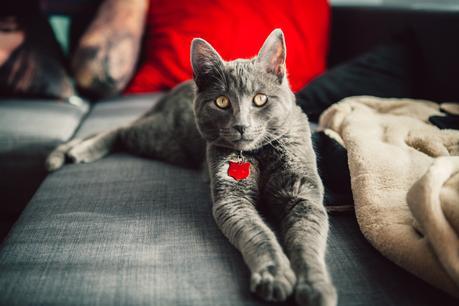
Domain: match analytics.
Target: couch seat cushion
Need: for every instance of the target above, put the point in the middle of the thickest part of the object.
(28, 131)
(114, 112)
(131, 231)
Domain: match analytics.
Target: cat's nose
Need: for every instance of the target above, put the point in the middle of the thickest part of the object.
(240, 128)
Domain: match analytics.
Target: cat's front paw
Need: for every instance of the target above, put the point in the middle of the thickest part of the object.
(273, 283)
(316, 294)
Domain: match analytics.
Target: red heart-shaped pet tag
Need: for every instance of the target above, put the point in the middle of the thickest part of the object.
(239, 170)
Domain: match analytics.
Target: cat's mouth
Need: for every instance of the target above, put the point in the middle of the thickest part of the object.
(243, 142)
(247, 141)
(244, 138)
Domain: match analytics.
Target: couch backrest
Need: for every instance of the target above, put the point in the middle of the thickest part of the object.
(356, 28)
(432, 30)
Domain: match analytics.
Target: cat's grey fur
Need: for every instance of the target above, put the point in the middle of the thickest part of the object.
(284, 179)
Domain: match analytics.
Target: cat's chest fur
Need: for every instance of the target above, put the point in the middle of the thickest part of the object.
(291, 153)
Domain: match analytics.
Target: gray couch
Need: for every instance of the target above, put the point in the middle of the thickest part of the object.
(132, 231)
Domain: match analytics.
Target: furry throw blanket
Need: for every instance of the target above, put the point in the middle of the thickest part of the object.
(405, 181)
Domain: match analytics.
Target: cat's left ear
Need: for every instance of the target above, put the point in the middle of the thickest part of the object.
(206, 63)
(273, 54)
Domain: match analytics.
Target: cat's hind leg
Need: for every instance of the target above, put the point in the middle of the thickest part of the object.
(56, 158)
(159, 136)
(93, 148)
(82, 150)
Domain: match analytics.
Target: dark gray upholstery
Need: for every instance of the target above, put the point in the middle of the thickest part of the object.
(28, 131)
(122, 231)
(25, 122)
(431, 30)
(108, 114)
(132, 231)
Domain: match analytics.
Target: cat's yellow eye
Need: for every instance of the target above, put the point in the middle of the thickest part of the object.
(260, 99)
(222, 102)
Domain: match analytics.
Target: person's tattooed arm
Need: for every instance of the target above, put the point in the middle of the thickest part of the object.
(107, 53)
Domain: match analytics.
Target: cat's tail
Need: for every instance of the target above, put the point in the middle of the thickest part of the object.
(85, 150)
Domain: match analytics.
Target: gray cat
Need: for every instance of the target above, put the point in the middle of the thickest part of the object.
(242, 115)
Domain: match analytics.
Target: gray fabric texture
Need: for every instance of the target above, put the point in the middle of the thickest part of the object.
(132, 231)
(26, 123)
(29, 130)
(128, 232)
(112, 113)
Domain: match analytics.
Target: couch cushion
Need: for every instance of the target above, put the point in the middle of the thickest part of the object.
(28, 131)
(130, 231)
(384, 71)
(436, 55)
(112, 113)
(30, 121)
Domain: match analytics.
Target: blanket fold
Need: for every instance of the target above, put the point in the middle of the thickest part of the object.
(405, 182)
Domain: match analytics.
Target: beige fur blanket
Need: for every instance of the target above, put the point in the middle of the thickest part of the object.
(405, 182)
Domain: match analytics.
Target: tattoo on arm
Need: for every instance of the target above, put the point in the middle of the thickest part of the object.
(106, 56)
(105, 70)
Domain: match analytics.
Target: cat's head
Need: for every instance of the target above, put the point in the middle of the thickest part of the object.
(242, 104)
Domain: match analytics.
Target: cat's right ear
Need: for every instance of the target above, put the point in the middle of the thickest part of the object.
(272, 55)
(206, 63)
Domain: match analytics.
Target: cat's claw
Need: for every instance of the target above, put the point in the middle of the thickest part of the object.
(317, 294)
(273, 283)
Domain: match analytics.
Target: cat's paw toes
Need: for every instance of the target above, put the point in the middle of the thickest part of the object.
(54, 161)
(317, 294)
(76, 157)
(81, 153)
(273, 283)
